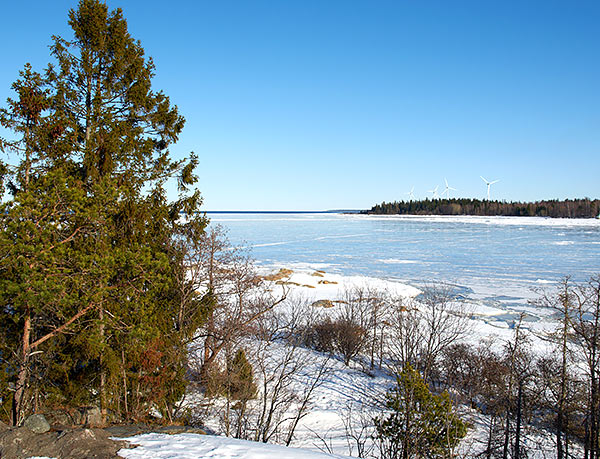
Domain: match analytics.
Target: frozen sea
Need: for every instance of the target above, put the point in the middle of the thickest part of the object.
(500, 260)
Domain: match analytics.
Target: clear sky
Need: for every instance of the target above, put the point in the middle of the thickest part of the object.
(314, 105)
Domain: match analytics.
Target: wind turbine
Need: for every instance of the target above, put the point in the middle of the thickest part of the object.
(447, 190)
(410, 194)
(488, 186)
(433, 192)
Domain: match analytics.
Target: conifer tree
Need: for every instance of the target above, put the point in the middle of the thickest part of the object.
(90, 242)
(420, 424)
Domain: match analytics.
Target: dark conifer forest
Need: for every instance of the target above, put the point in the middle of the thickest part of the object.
(569, 208)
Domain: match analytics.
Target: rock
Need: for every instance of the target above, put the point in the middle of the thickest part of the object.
(308, 286)
(16, 443)
(127, 430)
(317, 274)
(60, 419)
(287, 283)
(283, 273)
(327, 282)
(88, 443)
(69, 444)
(37, 423)
(92, 416)
(323, 304)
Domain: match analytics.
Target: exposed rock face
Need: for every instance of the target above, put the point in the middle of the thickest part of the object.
(37, 423)
(77, 443)
(21, 443)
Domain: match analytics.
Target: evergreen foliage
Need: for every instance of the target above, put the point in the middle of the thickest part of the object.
(241, 385)
(92, 275)
(569, 208)
(420, 424)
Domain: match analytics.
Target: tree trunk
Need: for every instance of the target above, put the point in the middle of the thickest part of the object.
(19, 395)
(518, 428)
(124, 385)
(103, 408)
(506, 436)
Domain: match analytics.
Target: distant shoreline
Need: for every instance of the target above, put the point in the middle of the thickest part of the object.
(341, 211)
(568, 208)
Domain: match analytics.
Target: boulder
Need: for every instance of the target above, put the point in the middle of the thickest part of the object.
(37, 423)
(323, 304)
(60, 419)
(92, 416)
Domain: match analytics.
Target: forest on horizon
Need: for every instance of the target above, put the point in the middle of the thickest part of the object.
(568, 208)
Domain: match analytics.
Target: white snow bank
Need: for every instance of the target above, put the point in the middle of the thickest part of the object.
(193, 446)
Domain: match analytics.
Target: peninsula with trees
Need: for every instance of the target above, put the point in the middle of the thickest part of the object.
(568, 208)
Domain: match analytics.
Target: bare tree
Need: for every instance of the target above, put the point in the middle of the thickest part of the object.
(423, 329)
(586, 325)
(366, 309)
(288, 374)
(405, 334)
(445, 321)
(234, 294)
(559, 382)
(359, 428)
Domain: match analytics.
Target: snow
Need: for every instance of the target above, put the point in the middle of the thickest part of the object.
(471, 219)
(193, 446)
(344, 402)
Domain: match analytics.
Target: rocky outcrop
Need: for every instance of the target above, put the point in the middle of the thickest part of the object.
(323, 304)
(281, 274)
(21, 443)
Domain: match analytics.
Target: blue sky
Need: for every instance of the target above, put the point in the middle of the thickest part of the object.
(313, 105)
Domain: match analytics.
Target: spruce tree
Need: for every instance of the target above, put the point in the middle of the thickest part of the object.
(91, 245)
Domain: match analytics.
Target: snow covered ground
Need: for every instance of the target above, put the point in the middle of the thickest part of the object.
(194, 446)
(342, 405)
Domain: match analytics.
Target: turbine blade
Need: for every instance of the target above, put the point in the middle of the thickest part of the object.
(483, 179)
(495, 181)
